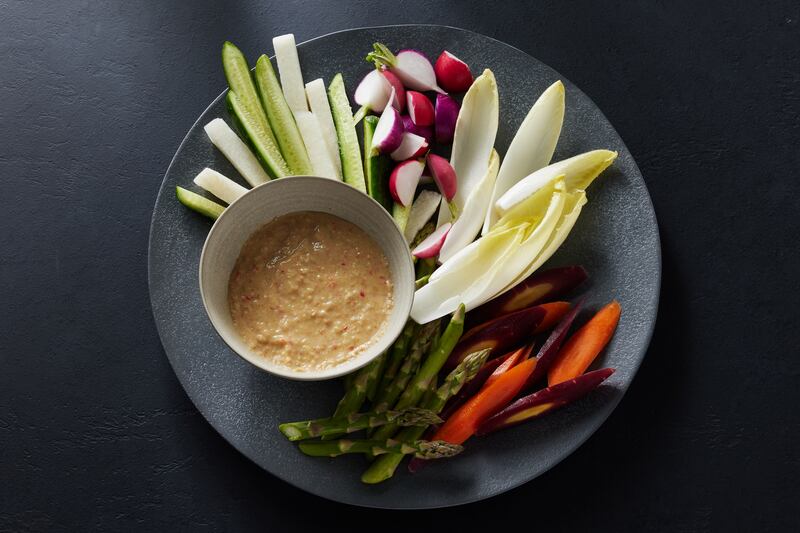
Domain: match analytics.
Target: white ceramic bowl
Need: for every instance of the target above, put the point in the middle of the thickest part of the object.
(288, 195)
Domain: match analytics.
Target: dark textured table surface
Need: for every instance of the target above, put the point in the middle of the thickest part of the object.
(96, 432)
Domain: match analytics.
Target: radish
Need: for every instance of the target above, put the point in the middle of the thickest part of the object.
(445, 116)
(420, 109)
(411, 146)
(411, 66)
(452, 73)
(389, 131)
(373, 91)
(404, 179)
(400, 91)
(422, 131)
(443, 174)
(431, 245)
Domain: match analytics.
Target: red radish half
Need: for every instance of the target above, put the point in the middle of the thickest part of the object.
(420, 109)
(404, 179)
(373, 91)
(411, 146)
(446, 115)
(415, 71)
(452, 74)
(431, 245)
(422, 131)
(444, 175)
(399, 90)
(389, 131)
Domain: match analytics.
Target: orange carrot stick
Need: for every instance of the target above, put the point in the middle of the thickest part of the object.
(554, 312)
(585, 344)
(464, 422)
(514, 359)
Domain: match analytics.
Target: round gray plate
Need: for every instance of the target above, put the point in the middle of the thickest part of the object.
(616, 239)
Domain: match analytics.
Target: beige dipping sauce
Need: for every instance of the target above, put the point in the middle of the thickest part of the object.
(310, 291)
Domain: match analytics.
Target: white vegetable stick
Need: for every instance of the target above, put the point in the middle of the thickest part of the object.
(580, 171)
(476, 129)
(223, 188)
(318, 100)
(445, 215)
(236, 151)
(572, 210)
(468, 224)
(317, 150)
(532, 146)
(422, 210)
(290, 73)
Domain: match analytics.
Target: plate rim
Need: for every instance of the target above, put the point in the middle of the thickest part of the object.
(568, 450)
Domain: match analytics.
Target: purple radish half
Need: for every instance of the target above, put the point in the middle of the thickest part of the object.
(422, 131)
(404, 180)
(411, 146)
(373, 91)
(431, 245)
(445, 118)
(415, 71)
(389, 131)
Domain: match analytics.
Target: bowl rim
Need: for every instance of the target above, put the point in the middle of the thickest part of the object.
(339, 370)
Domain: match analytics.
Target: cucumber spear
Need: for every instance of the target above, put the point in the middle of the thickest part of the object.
(321, 427)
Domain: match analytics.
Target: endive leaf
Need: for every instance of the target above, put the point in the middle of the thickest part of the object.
(476, 129)
(580, 171)
(532, 146)
(468, 224)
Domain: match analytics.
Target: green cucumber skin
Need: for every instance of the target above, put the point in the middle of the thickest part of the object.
(281, 119)
(375, 167)
(349, 151)
(269, 155)
(400, 215)
(248, 111)
(199, 203)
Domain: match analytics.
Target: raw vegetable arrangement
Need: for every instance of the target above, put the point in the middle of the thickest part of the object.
(489, 343)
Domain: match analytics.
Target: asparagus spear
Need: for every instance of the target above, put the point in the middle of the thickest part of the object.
(428, 371)
(398, 354)
(309, 429)
(356, 393)
(383, 468)
(437, 449)
(421, 282)
(419, 347)
(374, 376)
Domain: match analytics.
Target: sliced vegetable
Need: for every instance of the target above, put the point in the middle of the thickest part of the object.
(553, 313)
(318, 102)
(510, 362)
(444, 175)
(373, 92)
(464, 422)
(220, 186)
(236, 151)
(579, 172)
(375, 166)
(404, 179)
(422, 131)
(446, 115)
(468, 224)
(399, 90)
(532, 146)
(422, 448)
(498, 335)
(470, 389)
(420, 108)
(421, 211)
(310, 429)
(549, 350)
(199, 203)
(291, 75)
(452, 74)
(412, 67)
(389, 132)
(410, 146)
(431, 245)
(281, 118)
(316, 147)
(535, 289)
(545, 401)
(400, 215)
(350, 153)
(584, 345)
